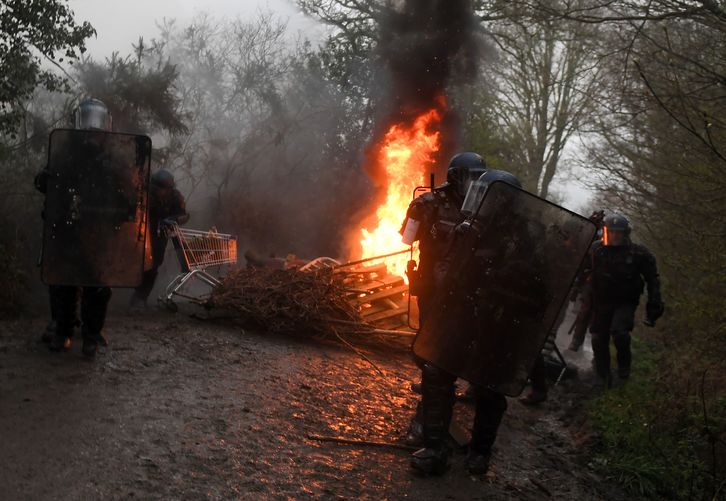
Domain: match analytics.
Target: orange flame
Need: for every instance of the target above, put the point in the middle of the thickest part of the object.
(405, 155)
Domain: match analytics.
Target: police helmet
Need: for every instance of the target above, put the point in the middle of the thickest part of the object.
(162, 178)
(463, 169)
(478, 188)
(615, 222)
(92, 114)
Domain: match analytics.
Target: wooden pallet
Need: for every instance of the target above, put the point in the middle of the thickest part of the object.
(381, 298)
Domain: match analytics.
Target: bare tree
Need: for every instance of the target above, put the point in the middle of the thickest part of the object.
(543, 81)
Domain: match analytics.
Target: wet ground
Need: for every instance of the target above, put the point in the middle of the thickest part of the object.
(184, 409)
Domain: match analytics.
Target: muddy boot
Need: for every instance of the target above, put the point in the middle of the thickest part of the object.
(477, 463)
(431, 461)
(60, 342)
(90, 345)
(534, 397)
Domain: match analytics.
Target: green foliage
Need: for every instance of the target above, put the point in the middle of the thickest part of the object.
(138, 90)
(31, 32)
(652, 441)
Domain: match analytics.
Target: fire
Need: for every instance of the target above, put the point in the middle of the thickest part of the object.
(406, 155)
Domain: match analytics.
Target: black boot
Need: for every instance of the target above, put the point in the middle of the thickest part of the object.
(90, 347)
(93, 314)
(59, 342)
(431, 460)
(90, 344)
(437, 404)
(477, 463)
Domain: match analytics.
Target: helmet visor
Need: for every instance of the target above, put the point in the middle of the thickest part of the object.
(613, 237)
(474, 197)
(93, 116)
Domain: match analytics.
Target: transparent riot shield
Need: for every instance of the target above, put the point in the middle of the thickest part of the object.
(506, 277)
(95, 213)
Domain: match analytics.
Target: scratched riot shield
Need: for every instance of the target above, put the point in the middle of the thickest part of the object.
(95, 213)
(508, 273)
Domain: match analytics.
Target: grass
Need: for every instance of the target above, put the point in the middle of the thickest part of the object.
(653, 439)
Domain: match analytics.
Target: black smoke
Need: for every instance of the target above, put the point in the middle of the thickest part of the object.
(428, 47)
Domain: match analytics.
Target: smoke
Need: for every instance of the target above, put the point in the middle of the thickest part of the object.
(428, 47)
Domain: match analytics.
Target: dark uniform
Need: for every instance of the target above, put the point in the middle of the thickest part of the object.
(166, 206)
(439, 214)
(617, 275)
(582, 290)
(91, 114)
(538, 377)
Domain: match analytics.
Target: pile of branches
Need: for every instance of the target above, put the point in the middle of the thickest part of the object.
(286, 301)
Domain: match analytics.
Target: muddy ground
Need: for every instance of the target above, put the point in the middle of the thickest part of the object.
(179, 408)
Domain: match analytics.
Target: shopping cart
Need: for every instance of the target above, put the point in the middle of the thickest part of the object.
(197, 251)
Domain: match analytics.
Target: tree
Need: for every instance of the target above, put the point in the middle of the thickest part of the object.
(269, 130)
(657, 149)
(138, 90)
(542, 78)
(33, 32)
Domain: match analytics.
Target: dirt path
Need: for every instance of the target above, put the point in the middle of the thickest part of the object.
(181, 409)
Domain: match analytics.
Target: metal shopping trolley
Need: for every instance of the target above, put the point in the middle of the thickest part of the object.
(197, 251)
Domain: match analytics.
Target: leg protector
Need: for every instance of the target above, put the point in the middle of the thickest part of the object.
(64, 304)
(621, 339)
(601, 352)
(93, 309)
(490, 408)
(438, 401)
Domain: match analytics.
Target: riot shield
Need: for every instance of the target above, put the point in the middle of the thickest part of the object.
(95, 213)
(505, 279)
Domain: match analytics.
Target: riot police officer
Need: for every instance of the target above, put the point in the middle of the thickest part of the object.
(580, 293)
(438, 386)
(166, 207)
(618, 271)
(91, 114)
(430, 220)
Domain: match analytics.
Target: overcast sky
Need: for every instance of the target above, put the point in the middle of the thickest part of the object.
(119, 23)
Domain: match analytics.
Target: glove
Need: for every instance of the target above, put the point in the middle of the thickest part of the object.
(653, 311)
(413, 278)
